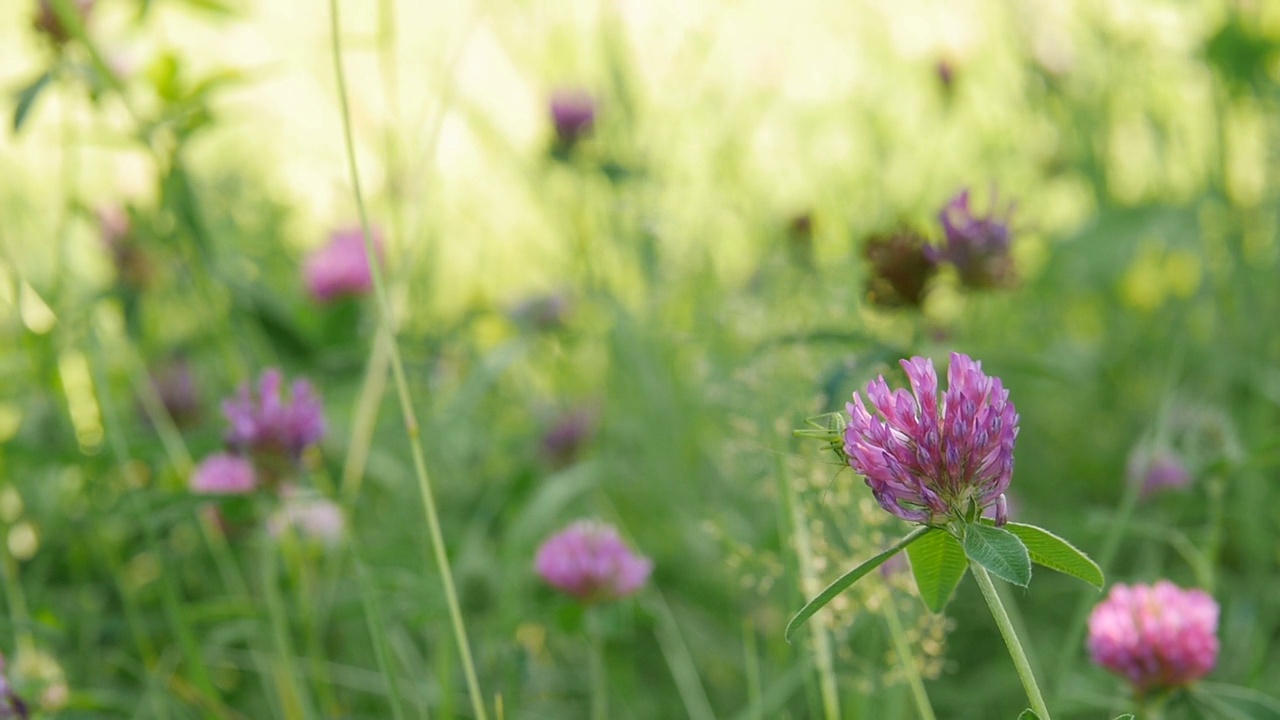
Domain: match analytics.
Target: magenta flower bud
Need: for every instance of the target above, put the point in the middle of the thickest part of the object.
(341, 268)
(224, 474)
(573, 113)
(1155, 636)
(977, 246)
(927, 462)
(899, 268)
(265, 422)
(590, 562)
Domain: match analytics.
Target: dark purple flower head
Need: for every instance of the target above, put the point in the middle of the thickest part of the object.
(11, 706)
(341, 268)
(977, 246)
(563, 441)
(48, 22)
(590, 562)
(946, 71)
(900, 266)
(1156, 636)
(545, 312)
(573, 113)
(926, 462)
(266, 423)
(176, 387)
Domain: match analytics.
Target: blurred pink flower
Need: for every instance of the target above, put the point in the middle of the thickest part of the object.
(1157, 470)
(224, 474)
(573, 113)
(590, 562)
(1156, 636)
(341, 268)
(313, 518)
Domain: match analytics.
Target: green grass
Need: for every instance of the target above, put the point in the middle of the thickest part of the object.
(1137, 144)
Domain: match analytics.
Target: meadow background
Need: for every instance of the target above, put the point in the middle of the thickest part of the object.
(684, 286)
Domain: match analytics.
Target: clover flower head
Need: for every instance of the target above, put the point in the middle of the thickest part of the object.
(48, 22)
(900, 266)
(176, 387)
(977, 246)
(573, 113)
(341, 268)
(564, 439)
(589, 561)
(264, 422)
(1155, 636)
(224, 474)
(926, 461)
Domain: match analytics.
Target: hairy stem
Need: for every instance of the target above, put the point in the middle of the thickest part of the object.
(1010, 639)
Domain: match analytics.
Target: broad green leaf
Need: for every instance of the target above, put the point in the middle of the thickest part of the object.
(849, 578)
(1126, 716)
(27, 99)
(999, 551)
(1055, 553)
(1028, 714)
(938, 564)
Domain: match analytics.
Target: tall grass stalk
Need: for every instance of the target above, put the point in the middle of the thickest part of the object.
(900, 645)
(402, 386)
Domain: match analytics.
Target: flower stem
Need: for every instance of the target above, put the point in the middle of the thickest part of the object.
(907, 658)
(599, 686)
(1010, 639)
(386, 322)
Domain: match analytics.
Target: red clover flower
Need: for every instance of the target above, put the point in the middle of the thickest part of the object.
(224, 474)
(977, 246)
(926, 462)
(263, 422)
(1156, 636)
(573, 113)
(589, 561)
(341, 268)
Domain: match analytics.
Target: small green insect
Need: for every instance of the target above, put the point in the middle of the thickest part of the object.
(829, 428)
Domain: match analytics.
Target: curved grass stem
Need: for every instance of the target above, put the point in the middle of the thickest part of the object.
(401, 383)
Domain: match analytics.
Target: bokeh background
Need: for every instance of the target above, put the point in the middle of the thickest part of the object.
(673, 292)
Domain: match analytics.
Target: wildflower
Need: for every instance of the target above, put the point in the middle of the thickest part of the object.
(545, 313)
(573, 113)
(564, 440)
(946, 72)
(341, 268)
(977, 246)
(265, 423)
(926, 462)
(48, 22)
(1157, 470)
(314, 518)
(590, 562)
(224, 474)
(900, 268)
(11, 706)
(1156, 636)
(176, 388)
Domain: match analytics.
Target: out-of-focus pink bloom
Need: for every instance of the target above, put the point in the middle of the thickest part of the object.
(313, 518)
(264, 423)
(573, 113)
(590, 562)
(926, 462)
(1155, 636)
(224, 474)
(341, 268)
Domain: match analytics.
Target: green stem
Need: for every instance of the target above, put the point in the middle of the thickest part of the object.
(402, 384)
(907, 658)
(1010, 639)
(599, 684)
